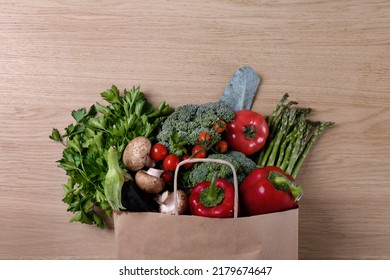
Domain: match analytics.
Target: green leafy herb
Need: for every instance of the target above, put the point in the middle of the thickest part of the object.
(55, 135)
(88, 140)
(79, 114)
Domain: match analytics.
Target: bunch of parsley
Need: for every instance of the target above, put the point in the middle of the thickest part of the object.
(86, 142)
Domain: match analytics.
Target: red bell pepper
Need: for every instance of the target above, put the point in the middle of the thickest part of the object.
(247, 133)
(268, 189)
(213, 199)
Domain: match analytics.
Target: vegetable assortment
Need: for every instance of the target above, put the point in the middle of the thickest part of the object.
(122, 156)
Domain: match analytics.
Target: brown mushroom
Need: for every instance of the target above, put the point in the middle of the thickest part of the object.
(167, 202)
(150, 181)
(136, 155)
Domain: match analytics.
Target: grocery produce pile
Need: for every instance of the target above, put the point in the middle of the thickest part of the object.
(121, 156)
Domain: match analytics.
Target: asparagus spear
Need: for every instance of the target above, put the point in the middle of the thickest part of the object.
(276, 109)
(278, 138)
(271, 146)
(319, 130)
(296, 147)
(291, 114)
(294, 134)
(290, 136)
(274, 126)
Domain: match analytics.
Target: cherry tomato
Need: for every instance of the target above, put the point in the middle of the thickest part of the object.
(219, 126)
(158, 152)
(221, 146)
(187, 165)
(167, 176)
(198, 151)
(170, 162)
(247, 132)
(204, 138)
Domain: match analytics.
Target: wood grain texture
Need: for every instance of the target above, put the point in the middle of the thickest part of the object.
(333, 56)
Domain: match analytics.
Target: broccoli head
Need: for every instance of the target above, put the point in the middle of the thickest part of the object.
(209, 113)
(204, 171)
(181, 129)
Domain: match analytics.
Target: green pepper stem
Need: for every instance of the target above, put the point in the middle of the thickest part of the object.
(281, 182)
(212, 196)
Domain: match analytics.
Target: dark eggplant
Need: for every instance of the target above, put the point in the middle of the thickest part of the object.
(135, 200)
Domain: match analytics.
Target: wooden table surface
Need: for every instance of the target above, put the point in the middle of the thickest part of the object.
(334, 56)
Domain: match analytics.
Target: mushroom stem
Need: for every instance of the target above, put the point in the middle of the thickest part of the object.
(166, 200)
(155, 172)
(149, 162)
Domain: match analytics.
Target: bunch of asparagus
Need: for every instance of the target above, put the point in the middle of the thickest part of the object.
(291, 136)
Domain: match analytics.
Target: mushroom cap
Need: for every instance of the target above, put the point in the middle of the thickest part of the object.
(136, 154)
(149, 183)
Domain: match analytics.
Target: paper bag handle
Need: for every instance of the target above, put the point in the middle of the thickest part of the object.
(193, 160)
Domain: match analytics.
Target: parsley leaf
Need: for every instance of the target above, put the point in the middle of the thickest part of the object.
(55, 135)
(87, 141)
(78, 115)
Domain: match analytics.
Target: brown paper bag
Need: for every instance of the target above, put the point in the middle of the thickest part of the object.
(158, 236)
